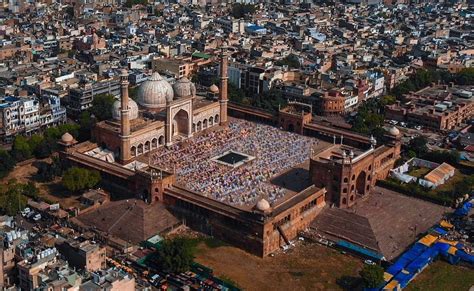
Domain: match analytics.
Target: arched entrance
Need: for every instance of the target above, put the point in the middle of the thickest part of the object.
(180, 123)
(147, 146)
(360, 183)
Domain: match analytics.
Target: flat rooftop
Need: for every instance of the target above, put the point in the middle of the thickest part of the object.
(276, 154)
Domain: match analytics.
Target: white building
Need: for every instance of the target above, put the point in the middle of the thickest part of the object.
(29, 115)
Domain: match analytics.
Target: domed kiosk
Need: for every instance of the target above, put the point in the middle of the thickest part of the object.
(263, 205)
(155, 92)
(394, 131)
(67, 138)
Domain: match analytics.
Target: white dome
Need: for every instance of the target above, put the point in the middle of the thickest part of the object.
(263, 205)
(214, 89)
(67, 138)
(184, 88)
(394, 131)
(132, 106)
(155, 92)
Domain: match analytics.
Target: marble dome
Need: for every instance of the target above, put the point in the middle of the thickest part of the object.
(184, 88)
(132, 106)
(155, 92)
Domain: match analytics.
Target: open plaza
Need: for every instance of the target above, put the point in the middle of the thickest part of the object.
(266, 152)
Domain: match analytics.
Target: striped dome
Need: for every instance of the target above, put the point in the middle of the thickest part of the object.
(132, 106)
(184, 88)
(155, 92)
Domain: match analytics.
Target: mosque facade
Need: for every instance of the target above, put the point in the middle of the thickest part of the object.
(162, 115)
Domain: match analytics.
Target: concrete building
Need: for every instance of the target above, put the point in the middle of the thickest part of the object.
(80, 99)
(29, 115)
(440, 107)
(83, 255)
(110, 280)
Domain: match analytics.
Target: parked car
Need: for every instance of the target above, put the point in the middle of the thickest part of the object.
(37, 217)
(369, 262)
(25, 211)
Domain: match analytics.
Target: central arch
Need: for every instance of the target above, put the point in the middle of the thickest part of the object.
(360, 183)
(180, 123)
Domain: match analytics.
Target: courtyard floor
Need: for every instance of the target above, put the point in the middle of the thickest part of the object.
(272, 151)
(397, 219)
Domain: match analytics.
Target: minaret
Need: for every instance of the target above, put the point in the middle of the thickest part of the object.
(124, 119)
(223, 87)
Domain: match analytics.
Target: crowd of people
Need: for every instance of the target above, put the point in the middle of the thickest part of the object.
(274, 150)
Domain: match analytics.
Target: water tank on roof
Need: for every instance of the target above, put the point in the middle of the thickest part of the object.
(440, 107)
(448, 103)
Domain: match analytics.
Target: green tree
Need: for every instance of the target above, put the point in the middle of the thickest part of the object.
(30, 190)
(130, 3)
(21, 149)
(102, 106)
(6, 163)
(291, 61)
(85, 126)
(465, 77)
(176, 255)
(372, 276)
(418, 145)
(77, 179)
(133, 93)
(240, 10)
(12, 199)
(388, 100)
(48, 171)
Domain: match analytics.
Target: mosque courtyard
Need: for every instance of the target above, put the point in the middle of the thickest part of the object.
(242, 163)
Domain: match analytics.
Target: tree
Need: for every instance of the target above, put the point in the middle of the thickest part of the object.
(30, 190)
(12, 199)
(21, 149)
(176, 255)
(465, 77)
(372, 276)
(133, 93)
(47, 172)
(450, 157)
(130, 3)
(291, 61)
(418, 145)
(6, 163)
(242, 10)
(388, 100)
(102, 106)
(77, 179)
(85, 126)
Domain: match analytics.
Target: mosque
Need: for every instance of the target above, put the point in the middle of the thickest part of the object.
(168, 118)
(165, 114)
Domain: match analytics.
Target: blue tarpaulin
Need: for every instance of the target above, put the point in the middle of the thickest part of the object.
(440, 230)
(359, 250)
(464, 209)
